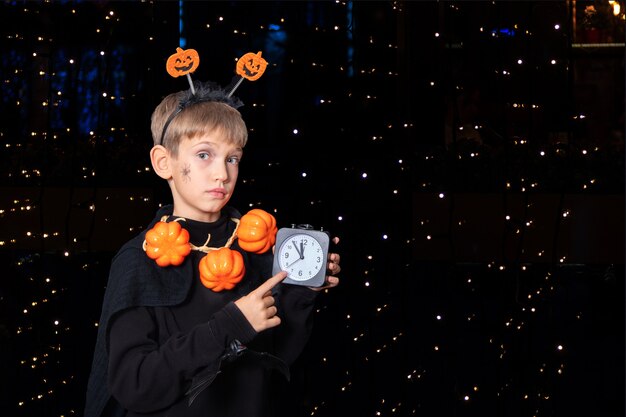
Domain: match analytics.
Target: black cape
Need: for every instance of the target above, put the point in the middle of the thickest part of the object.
(151, 288)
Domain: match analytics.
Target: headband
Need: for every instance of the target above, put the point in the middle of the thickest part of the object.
(250, 66)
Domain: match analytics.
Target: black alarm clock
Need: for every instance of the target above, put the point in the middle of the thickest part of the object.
(302, 252)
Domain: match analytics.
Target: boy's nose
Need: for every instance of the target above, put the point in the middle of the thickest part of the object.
(221, 174)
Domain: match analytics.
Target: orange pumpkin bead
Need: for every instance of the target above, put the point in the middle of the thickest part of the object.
(167, 243)
(257, 231)
(183, 62)
(221, 269)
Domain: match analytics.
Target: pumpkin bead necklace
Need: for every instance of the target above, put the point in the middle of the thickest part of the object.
(221, 268)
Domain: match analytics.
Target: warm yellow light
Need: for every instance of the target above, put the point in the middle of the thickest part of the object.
(616, 7)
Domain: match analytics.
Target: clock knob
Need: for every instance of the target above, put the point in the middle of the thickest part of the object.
(305, 226)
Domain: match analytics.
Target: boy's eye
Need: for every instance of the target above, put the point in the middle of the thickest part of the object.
(204, 155)
(234, 160)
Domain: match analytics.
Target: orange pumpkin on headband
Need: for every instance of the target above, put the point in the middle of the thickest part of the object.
(251, 66)
(167, 243)
(257, 231)
(183, 62)
(221, 269)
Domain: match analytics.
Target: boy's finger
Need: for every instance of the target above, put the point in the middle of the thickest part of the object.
(270, 283)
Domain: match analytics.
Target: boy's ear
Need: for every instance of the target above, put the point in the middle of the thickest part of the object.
(161, 161)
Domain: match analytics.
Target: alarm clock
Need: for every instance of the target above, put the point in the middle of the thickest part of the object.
(302, 252)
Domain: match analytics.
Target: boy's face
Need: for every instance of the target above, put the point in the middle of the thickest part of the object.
(204, 176)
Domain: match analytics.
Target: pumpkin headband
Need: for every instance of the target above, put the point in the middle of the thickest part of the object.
(250, 66)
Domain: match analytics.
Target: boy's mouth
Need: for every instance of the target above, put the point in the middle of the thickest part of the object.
(218, 192)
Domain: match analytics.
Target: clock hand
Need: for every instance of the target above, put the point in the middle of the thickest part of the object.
(296, 246)
(291, 264)
(301, 250)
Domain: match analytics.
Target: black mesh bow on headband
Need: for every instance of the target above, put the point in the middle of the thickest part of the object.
(204, 91)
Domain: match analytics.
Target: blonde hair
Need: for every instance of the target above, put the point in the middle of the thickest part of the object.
(194, 120)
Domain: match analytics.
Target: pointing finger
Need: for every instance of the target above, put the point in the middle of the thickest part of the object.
(270, 283)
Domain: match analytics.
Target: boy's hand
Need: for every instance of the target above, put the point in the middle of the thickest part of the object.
(258, 306)
(333, 269)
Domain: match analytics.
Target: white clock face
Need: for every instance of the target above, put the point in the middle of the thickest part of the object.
(301, 256)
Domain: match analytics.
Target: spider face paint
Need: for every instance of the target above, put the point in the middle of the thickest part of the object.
(186, 171)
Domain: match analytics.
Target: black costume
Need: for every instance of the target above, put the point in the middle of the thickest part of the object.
(168, 346)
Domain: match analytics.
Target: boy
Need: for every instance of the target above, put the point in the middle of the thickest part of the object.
(167, 345)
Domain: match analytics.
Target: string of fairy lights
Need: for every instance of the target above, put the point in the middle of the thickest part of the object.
(374, 334)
